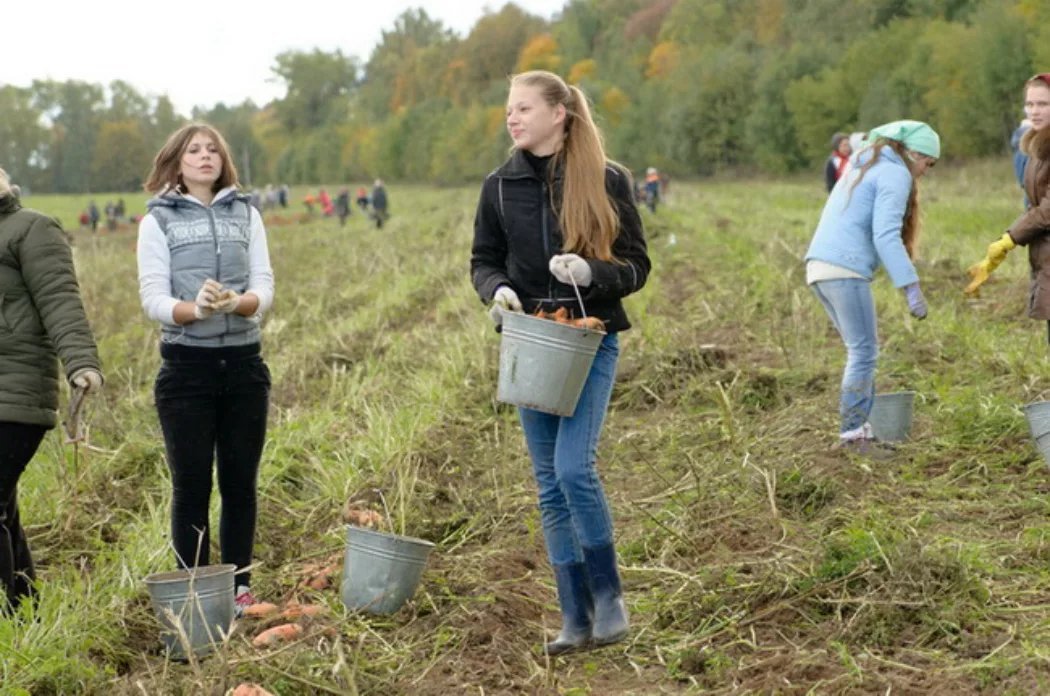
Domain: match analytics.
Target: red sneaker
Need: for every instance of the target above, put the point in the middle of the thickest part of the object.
(242, 600)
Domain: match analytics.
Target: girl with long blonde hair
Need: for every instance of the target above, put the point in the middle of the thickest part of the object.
(558, 216)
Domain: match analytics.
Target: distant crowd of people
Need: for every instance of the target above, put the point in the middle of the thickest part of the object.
(373, 204)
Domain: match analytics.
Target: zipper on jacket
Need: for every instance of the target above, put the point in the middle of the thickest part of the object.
(218, 267)
(546, 234)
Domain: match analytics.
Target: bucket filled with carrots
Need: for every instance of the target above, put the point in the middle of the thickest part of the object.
(544, 359)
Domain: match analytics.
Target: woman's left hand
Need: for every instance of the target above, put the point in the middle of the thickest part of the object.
(916, 301)
(569, 267)
(227, 303)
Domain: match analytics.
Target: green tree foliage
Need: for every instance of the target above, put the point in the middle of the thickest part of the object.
(318, 87)
(23, 138)
(122, 158)
(689, 86)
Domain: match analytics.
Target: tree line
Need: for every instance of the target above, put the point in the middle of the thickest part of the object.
(693, 87)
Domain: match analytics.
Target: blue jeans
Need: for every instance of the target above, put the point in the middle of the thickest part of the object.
(850, 305)
(572, 502)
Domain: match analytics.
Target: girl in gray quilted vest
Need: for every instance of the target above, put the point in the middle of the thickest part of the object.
(205, 275)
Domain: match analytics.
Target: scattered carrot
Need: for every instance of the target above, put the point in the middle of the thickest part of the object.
(249, 689)
(278, 634)
(297, 611)
(260, 610)
(323, 579)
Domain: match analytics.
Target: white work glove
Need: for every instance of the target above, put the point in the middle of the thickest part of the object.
(87, 378)
(505, 299)
(207, 296)
(227, 302)
(569, 267)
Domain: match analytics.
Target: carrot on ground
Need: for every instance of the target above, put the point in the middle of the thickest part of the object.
(249, 689)
(260, 610)
(278, 634)
(296, 611)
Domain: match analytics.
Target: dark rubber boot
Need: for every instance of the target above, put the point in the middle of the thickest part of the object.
(610, 612)
(577, 609)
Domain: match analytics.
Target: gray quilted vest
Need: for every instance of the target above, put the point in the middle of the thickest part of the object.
(207, 243)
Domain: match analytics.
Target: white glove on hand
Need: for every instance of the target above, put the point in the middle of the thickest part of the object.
(227, 302)
(207, 296)
(504, 299)
(569, 267)
(87, 378)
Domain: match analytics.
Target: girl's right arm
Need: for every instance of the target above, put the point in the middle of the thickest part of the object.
(488, 254)
(154, 260)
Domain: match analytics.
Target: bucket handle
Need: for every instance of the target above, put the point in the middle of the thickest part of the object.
(580, 298)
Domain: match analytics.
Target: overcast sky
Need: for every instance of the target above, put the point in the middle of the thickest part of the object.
(203, 53)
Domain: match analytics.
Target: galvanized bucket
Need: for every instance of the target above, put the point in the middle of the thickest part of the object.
(1038, 415)
(543, 365)
(891, 415)
(381, 571)
(195, 607)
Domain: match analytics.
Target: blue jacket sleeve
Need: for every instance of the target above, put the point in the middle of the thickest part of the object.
(891, 202)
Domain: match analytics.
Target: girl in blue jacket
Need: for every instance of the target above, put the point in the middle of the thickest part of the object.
(870, 219)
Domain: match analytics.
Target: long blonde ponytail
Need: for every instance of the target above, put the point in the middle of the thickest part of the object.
(588, 219)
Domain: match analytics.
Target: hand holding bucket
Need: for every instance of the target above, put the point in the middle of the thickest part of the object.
(544, 364)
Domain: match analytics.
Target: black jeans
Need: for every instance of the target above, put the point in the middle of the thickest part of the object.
(18, 444)
(212, 404)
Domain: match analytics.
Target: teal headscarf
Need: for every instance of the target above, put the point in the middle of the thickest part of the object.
(915, 135)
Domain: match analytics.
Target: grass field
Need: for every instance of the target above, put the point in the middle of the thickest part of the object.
(756, 558)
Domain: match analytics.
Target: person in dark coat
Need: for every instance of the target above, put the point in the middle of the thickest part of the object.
(555, 219)
(342, 205)
(42, 321)
(380, 211)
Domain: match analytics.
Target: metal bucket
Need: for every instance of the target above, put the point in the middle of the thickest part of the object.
(195, 607)
(891, 415)
(543, 365)
(1038, 415)
(381, 571)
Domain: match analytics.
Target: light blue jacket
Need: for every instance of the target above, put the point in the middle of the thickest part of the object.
(860, 227)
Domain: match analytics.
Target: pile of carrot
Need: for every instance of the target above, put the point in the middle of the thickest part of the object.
(561, 315)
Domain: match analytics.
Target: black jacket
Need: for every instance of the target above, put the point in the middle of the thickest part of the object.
(516, 233)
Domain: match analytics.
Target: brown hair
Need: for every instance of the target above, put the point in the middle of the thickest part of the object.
(165, 173)
(588, 219)
(910, 225)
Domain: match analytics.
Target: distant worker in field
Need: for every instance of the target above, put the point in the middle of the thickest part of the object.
(527, 255)
(871, 219)
(380, 211)
(838, 160)
(94, 216)
(327, 209)
(652, 188)
(342, 205)
(362, 198)
(1031, 228)
(44, 322)
(212, 392)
